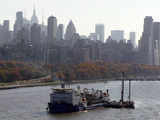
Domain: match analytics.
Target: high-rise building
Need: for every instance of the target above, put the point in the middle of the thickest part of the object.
(6, 25)
(22, 37)
(147, 30)
(60, 32)
(52, 29)
(6, 31)
(156, 42)
(132, 37)
(36, 41)
(19, 21)
(100, 32)
(70, 31)
(146, 42)
(19, 15)
(34, 18)
(117, 35)
(35, 35)
(148, 22)
(156, 53)
(5, 35)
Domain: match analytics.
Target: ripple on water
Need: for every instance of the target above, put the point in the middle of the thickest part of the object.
(30, 104)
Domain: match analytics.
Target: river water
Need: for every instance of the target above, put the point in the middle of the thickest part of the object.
(31, 103)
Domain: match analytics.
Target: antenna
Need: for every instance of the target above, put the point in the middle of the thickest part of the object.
(42, 17)
(34, 9)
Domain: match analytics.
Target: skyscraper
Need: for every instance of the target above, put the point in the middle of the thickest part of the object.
(34, 18)
(35, 35)
(60, 32)
(146, 42)
(19, 22)
(117, 35)
(132, 36)
(100, 32)
(6, 31)
(36, 41)
(155, 36)
(6, 25)
(70, 31)
(22, 37)
(156, 53)
(148, 34)
(148, 23)
(52, 29)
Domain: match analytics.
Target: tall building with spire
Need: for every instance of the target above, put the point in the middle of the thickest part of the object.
(34, 18)
(35, 35)
(70, 31)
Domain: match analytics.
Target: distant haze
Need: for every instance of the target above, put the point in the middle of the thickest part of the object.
(124, 15)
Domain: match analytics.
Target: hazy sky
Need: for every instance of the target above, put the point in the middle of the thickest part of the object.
(125, 15)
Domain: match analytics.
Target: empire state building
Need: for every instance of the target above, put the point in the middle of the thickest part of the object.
(34, 19)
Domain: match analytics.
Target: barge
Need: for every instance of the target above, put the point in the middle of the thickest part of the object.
(65, 100)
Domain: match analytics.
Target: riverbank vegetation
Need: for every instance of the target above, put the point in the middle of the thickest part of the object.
(25, 73)
(104, 70)
(11, 71)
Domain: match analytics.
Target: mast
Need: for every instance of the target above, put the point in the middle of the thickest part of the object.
(122, 92)
(129, 91)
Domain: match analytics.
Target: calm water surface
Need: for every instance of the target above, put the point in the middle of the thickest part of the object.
(31, 103)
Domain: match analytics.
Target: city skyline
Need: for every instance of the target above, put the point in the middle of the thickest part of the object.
(49, 44)
(34, 19)
(127, 17)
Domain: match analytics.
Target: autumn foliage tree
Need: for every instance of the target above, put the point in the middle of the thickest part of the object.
(104, 70)
(11, 71)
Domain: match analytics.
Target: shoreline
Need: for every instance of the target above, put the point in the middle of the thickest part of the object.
(7, 87)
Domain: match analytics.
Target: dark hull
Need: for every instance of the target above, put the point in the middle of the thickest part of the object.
(68, 108)
(119, 105)
(62, 108)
